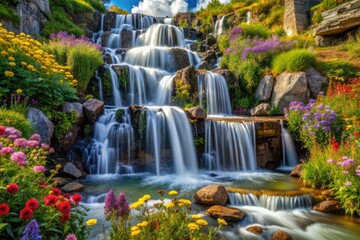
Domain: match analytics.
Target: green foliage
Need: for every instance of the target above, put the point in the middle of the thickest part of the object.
(337, 70)
(324, 5)
(293, 61)
(7, 13)
(250, 73)
(295, 124)
(255, 30)
(353, 47)
(182, 93)
(223, 42)
(11, 118)
(199, 141)
(117, 9)
(63, 122)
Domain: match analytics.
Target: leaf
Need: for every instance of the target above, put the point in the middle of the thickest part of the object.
(9, 231)
(55, 230)
(2, 225)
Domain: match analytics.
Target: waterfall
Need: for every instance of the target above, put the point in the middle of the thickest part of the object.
(136, 20)
(100, 85)
(273, 203)
(229, 146)
(168, 127)
(288, 148)
(220, 25)
(112, 148)
(216, 91)
(248, 17)
(162, 35)
(115, 87)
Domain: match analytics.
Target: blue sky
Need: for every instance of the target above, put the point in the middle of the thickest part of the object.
(128, 4)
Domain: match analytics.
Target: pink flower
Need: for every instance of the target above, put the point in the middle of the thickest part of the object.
(348, 183)
(18, 157)
(346, 172)
(35, 137)
(32, 143)
(23, 163)
(7, 150)
(20, 142)
(39, 169)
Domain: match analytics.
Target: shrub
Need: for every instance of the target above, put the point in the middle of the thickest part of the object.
(255, 31)
(27, 195)
(293, 61)
(10, 118)
(169, 219)
(337, 70)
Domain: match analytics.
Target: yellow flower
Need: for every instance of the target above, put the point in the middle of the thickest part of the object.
(135, 233)
(142, 224)
(173, 192)
(196, 216)
(4, 53)
(9, 74)
(145, 198)
(193, 226)
(134, 228)
(136, 205)
(19, 91)
(11, 50)
(221, 222)
(202, 222)
(170, 205)
(58, 166)
(11, 59)
(91, 222)
(30, 67)
(23, 63)
(185, 201)
(12, 64)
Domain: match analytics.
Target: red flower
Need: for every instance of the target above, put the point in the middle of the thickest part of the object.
(33, 204)
(356, 134)
(65, 217)
(26, 213)
(4, 209)
(67, 195)
(12, 188)
(42, 184)
(56, 191)
(335, 145)
(64, 207)
(50, 200)
(76, 197)
(2, 130)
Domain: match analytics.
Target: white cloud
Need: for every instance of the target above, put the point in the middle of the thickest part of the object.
(160, 8)
(204, 3)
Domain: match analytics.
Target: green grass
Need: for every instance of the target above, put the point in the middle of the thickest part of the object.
(293, 61)
(10, 118)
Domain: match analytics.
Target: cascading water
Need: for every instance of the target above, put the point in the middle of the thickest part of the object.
(217, 94)
(220, 25)
(290, 158)
(229, 146)
(162, 35)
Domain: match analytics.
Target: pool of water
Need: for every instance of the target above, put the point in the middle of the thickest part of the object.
(301, 223)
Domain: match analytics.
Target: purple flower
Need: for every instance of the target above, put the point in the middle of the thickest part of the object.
(32, 231)
(39, 169)
(71, 237)
(122, 205)
(348, 183)
(331, 161)
(346, 172)
(110, 203)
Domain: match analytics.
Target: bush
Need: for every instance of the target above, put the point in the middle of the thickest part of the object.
(293, 61)
(337, 70)
(10, 118)
(255, 30)
(28, 199)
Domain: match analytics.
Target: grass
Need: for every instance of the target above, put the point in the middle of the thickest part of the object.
(293, 61)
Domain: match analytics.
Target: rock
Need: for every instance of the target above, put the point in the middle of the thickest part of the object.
(42, 124)
(185, 19)
(77, 108)
(227, 213)
(197, 113)
(60, 181)
(328, 206)
(72, 170)
(109, 21)
(210, 40)
(339, 19)
(93, 109)
(328, 193)
(255, 229)
(181, 58)
(262, 109)
(281, 235)
(69, 139)
(190, 33)
(73, 187)
(297, 171)
(290, 87)
(88, 21)
(269, 153)
(264, 89)
(316, 82)
(188, 75)
(32, 14)
(212, 195)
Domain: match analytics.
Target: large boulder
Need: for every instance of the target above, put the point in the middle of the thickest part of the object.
(188, 75)
(77, 108)
(212, 195)
(328, 206)
(227, 213)
(93, 109)
(290, 87)
(32, 14)
(43, 126)
(256, 229)
(197, 113)
(339, 19)
(181, 58)
(262, 109)
(264, 89)
(72, 170)
(316, 82)
(69, 139)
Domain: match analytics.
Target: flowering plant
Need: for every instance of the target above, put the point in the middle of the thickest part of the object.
(28, 200)
(164, 219)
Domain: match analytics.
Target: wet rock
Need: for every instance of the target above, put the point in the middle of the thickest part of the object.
(210, 40)
(77, 108)
(93, 109)
(255, 229)
(281, 235)
(262, 109)
(197, 113)
(297, 171)
(43, 126)
(227, 213)
(190, 33)
(264, 89)
(73, 187)
(72, 170)
(60, 181)
(188, 75)
(269, 153)
(212, 195)
(290, 87)
(109, 21)
(328, 206)
(181, 58)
